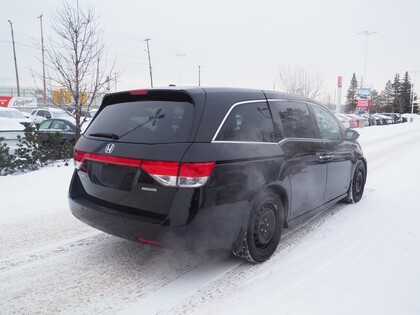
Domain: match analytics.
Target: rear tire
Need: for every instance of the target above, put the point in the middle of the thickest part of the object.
(357, 185)
(264, 229)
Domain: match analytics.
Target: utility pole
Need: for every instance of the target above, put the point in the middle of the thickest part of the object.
(365, 33)
(199, 75)
(44, 91)
(150, 62)
(14, 54)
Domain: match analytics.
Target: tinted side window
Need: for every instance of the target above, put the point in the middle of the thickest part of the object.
(248, 122)
(41, 113)
(45, 125)
(296, 119)
(327, 125)
(58, 125)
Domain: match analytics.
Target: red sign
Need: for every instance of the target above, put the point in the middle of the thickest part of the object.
(363, 104)
(340, 81)
(4, 100)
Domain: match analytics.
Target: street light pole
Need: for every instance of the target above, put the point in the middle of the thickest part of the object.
(14, 55)
(150, 62)
(412, 92)
(365, 33)
(44, 91)
(180, 67)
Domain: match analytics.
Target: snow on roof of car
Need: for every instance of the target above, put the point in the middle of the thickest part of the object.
(7, 124)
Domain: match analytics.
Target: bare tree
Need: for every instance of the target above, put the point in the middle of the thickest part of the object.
(75, 57)
(298, 80)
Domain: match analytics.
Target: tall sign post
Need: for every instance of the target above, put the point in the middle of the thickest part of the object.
(339, 88)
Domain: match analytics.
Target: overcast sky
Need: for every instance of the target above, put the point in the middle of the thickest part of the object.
(237, 43)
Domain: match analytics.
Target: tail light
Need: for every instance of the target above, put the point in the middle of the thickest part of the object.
(194, 174)
(171, 174)
(179, 174)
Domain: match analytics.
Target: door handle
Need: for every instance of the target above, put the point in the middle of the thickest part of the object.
(326, 157)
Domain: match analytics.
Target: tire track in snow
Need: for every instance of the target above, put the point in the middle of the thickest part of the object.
(230, 273)
(96, 274)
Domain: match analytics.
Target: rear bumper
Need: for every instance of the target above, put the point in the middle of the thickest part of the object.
(205, 227)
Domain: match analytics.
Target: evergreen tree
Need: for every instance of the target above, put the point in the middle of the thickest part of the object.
(374, 101)
(405, 93)
(386, 99)
(396, 94)
(351, 95)
(6, 159)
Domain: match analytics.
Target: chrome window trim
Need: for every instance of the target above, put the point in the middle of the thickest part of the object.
(283, 100)
(242, 142)
(213, 140)
(302, 140)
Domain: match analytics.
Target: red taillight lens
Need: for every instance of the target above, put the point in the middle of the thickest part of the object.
(79, 159)
(160, 168)
(139, 92)
(172, 174)
(164, 172)
(196, 169)
(78, 155)
(194, 174)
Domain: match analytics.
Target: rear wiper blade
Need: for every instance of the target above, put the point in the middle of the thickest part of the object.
(112, 136)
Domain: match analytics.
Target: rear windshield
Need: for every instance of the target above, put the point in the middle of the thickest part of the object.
(144, 122)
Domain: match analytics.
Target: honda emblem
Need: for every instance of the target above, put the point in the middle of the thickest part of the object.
(109, 148)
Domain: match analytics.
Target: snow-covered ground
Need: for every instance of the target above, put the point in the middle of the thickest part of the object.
(354, 259)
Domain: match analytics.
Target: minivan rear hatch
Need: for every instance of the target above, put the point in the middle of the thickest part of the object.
(129, 156)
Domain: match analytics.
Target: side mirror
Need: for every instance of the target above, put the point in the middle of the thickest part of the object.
(351, 135)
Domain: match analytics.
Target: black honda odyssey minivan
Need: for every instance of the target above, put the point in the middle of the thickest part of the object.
(211, 168)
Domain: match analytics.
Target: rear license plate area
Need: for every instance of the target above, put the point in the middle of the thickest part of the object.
(113, 176)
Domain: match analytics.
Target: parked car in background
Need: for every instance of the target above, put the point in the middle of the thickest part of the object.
(360, 119)
(40, 114)
(369, 121)
(9, 131)
(16, 115)
(65, 127)
(394, 116)
(386, 120)
(353, 122)
(345, 121)
(378, 121)
(150, 169)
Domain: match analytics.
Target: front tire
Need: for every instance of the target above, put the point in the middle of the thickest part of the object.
(264, 229)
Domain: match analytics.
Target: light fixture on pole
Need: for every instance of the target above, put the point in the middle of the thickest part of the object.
(44, 91)
(365, 33)
(14, 55)
(150, 62)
